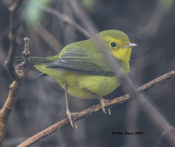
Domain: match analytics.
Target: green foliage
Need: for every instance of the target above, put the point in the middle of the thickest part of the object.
(167, 3)
(33, 11)
(88, 4)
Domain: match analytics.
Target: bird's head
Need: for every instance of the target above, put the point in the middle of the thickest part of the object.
(118, 43)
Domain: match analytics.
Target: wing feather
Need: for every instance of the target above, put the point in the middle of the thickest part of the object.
(80, 61)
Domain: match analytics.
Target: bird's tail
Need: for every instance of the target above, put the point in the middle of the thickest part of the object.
(33, 60)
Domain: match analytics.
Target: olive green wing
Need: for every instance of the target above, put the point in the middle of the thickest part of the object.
(82, 61)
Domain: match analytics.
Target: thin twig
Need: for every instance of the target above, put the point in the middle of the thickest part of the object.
(65, 18)
(92, 110)
(49, 38)
(21, 68)
(13, 27)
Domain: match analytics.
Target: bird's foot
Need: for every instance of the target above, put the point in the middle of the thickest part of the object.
(102, 102)
(70, 116)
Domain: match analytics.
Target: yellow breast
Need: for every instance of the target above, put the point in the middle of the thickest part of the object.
(82, 85)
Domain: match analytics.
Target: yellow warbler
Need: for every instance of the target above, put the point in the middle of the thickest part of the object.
(81, 69)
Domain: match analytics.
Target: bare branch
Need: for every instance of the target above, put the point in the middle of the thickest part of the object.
(21, 68)
(13, 27)
(5, 111)
(49, 38)
(92, 110)
(13, 90)
(12, 95)
(68, 20)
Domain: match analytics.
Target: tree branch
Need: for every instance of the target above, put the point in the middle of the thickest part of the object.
(13, 88)
(5, 111)
(13, 27)
(65, 18)
(92, 110)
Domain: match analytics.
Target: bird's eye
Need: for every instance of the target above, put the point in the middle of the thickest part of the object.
(113, 44)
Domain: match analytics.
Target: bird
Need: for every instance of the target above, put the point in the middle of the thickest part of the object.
(82, 70)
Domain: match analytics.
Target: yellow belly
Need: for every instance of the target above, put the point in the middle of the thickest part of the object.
(89, 86)
(81, 85)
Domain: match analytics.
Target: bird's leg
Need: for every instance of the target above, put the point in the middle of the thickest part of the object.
(69, 114)
(102, 102)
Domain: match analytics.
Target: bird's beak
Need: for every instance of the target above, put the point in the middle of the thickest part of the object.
(130, 45)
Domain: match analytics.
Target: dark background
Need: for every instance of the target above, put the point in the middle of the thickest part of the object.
(149, 23)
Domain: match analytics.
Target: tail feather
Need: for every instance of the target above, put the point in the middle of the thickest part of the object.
(34, 60)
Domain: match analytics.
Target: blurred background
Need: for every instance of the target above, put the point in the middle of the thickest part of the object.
(149, 23)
